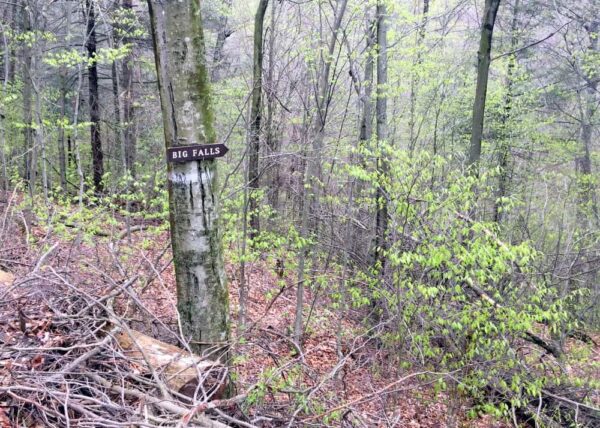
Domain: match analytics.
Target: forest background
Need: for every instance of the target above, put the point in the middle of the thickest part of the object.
(420, 177)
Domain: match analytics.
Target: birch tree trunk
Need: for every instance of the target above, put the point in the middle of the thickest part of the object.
(202, 298)
(483, 68)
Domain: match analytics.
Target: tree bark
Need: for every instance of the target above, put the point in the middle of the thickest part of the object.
(95, 137)
(587, 207)
(222, 35)
(381, 219)
(272, 139)
(483, 68)
(415, 76)
(129, 133)
(63, 160)
(118, 123)
(29, 173)
(366, 118)
(255, 120)
(60, 142)
(504, 152)
(6, 67)
(202, 297)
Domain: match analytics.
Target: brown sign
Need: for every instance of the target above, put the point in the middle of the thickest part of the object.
(200, 152)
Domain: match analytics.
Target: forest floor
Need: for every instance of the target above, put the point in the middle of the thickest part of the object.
(360, 386)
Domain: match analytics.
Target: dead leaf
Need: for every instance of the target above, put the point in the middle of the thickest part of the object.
(6, 278)
(36, 362)
(4, 421)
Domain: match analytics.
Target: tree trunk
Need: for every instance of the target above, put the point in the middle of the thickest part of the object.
(381, 220)
(504, 152)
(118, 123)
(10, 12)
(222, 35)
(312, 175)
(255, 120)
(415, 76)
(95, 138)
(29, 149)
(272, 140)
(128, 100)
(483, 68)
(366, 118)
(60, 142)
(6, 67)
(194, 215)
(63, 160)
(40, 141)
(587, 207)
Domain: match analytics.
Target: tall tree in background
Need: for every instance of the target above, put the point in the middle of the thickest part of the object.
(366, 115)
(381, 218)
(312, 174)
(60, 141)
(256, 118)
(504, 149)
(224, 32)
(483, 69)
(128, 94)
(29, 148)
(588, 106)
(96, 141)
(415, 75)
(202, 298)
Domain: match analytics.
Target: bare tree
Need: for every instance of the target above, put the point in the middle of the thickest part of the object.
(312, 174)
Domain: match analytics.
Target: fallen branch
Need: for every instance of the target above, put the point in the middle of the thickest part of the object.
(372, 395)
(43, 258)
(213, 405)
(165, 405)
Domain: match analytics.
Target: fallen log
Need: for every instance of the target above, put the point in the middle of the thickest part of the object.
(181, 371)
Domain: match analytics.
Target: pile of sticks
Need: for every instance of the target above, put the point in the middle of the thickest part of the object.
(66, 359)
